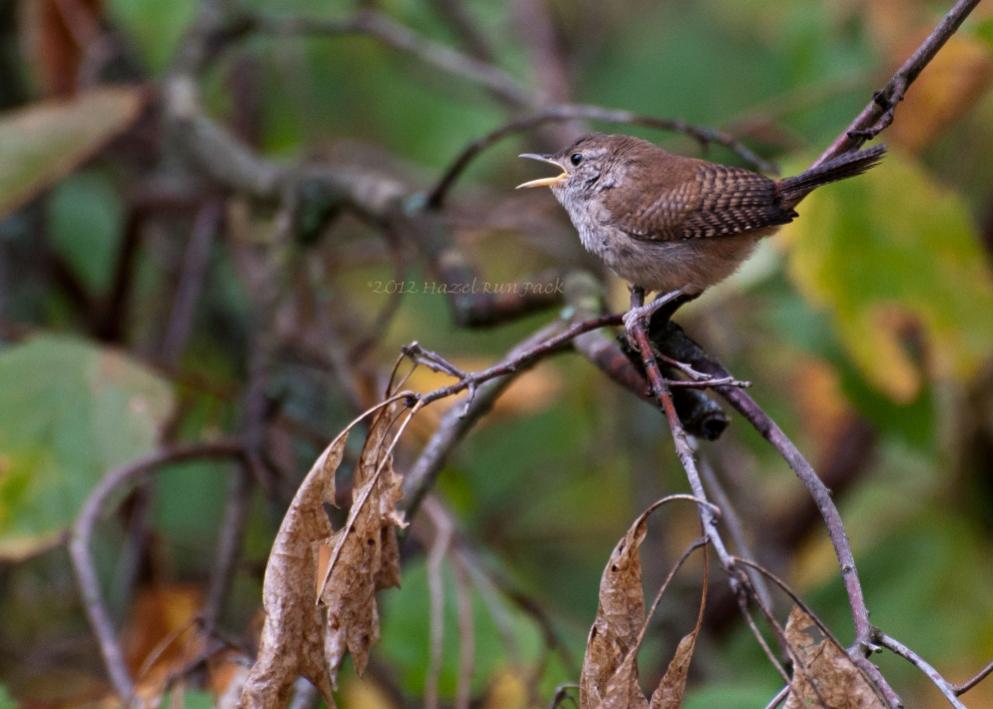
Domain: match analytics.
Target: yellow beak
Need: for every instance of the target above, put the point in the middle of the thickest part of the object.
(542, 181)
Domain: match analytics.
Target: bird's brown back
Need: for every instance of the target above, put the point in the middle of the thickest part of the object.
(668, 197)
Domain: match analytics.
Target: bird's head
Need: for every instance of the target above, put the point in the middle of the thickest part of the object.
(583, 165)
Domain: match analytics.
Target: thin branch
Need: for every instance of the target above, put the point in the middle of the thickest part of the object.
(869, 669)
(734, 526)
(436, 589)
(396, 36)
(947, 690)
(196, 260)
(467, 634)
(230, 540)
(778, 699)
(738, 580)
(878, 114)
(677, 344)
(961, 689)
(569, 112)
(457, 422)
(456, 15)
(82, 533)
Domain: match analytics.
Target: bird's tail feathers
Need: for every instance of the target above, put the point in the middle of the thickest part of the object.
(793, 189)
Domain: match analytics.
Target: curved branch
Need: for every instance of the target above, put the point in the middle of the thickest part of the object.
(676, 343)
(82, 532)
(568, 112)
(961, 689)
(396, 36)
(946, 689)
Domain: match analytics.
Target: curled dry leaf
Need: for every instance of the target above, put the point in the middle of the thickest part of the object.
(609, 678)
(366, 555)
(292, 641)
(364, 558)
(672, 686)
(823, 674)
(619, 618)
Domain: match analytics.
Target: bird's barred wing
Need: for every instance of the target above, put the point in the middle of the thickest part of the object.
(696, 199)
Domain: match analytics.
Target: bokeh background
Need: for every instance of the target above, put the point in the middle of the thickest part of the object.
(866, 328)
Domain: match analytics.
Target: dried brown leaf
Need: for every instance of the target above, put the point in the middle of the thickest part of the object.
(54, 35)
(672, 686)
(823, 673)
(623, 690)
(365, 556)
(292, 642)
(618, 622)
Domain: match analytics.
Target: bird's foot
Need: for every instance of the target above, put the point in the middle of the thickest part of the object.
(643, 313)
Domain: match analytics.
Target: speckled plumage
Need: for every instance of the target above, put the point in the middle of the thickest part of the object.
(663, 221)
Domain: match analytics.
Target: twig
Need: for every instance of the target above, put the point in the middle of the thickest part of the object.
(230, 538)
(467, 634)
(191, 281)
(82, 532)
(684, 450)
(869, 669)
(569, 112)
(733, 523)
(961, 689)
(455, 424)
(436, 589)
(778, 699)
(394, 35)
(947, 690)
(738, 580)
(878, 114)
(677, 344)
(456, 15)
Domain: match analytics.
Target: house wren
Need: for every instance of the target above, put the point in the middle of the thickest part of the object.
(669, 223)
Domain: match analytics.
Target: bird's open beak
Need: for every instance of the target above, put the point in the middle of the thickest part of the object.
(542, 181)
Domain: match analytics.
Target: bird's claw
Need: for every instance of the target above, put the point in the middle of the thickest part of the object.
(634, 315)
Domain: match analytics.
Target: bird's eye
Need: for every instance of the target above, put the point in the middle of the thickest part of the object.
(575, 158)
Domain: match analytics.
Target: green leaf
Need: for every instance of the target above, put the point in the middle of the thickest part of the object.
(984, 31)
(889, 255)
(85, 222)
(69, 412)
(41, 143)
(188, 699)
(155, 27)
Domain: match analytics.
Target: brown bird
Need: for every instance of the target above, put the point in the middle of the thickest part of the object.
(673, 224)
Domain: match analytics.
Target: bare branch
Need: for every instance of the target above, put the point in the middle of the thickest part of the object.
(456, 423)
(961, 689)
(440, 545)
(569, 112)
(677, 344)
(946, 689)
(82, 533)
(878, 114)
(394, 35)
